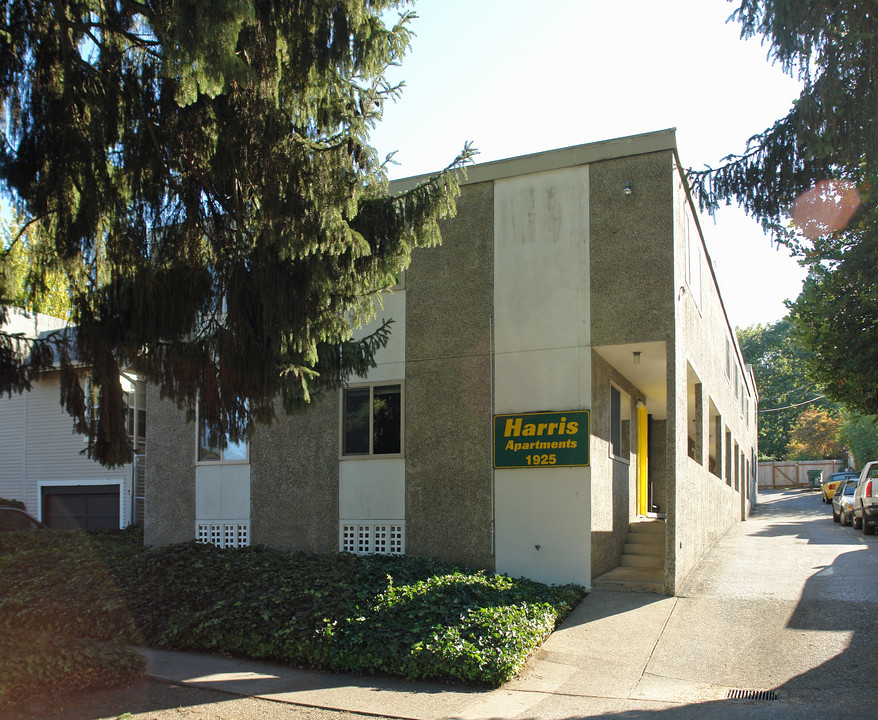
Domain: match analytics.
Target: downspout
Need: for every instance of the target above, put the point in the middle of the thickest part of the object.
(491, 430)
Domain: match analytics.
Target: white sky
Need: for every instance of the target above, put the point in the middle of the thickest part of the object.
(520, 77)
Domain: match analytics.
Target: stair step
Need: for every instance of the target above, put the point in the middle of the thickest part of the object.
(627, 579)
(643, 561)
(643, 549)
(645, 539)
(647, 526)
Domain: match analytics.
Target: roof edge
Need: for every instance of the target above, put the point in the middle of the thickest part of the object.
(641, 144)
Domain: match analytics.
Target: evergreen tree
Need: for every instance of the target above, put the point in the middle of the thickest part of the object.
(204, 172)
(29, 283)
(812, 180)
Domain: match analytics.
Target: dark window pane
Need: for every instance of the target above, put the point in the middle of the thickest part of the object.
(356, 422)
(387, 421)
(615, 422)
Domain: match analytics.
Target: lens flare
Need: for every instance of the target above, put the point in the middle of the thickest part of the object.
(826, 207)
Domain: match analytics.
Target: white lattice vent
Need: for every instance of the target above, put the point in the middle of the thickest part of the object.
(223, 533)
(385, 537)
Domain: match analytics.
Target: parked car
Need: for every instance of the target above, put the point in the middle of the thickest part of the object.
(829, 486)
(842, 501)
(14, 519)
(864, 508)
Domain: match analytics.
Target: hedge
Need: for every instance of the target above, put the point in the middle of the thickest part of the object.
(402, 616)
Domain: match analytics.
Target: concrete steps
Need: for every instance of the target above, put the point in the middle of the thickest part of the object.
(642, 566)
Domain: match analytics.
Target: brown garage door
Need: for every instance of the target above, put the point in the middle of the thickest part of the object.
(81, 507)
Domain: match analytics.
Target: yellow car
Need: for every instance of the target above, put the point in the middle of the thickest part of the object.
(833, 481)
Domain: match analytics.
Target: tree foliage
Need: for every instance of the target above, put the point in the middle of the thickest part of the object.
(26, 281)
(815, 436)
(812, 179)
(204, 173)
(785, 387)
(860, 436)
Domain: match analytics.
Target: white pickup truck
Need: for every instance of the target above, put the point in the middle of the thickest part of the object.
(866, 499)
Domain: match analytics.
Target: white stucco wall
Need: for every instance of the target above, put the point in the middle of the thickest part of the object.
(542, 363)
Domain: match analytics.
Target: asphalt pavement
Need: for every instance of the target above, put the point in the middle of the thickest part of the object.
(779, 620)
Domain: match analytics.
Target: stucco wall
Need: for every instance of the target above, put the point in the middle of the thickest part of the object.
(703, 506)
(632, 272)
(294, 479)
(169, 510)
(449, 298)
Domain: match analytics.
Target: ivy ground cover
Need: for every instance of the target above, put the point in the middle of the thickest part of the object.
(401, 616)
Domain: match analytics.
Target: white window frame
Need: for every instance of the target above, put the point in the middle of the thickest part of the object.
(622, 441)
(341, 426)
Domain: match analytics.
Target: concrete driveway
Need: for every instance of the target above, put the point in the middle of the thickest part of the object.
(783, 611)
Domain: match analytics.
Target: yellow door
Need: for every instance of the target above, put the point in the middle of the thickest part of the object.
(642, 460)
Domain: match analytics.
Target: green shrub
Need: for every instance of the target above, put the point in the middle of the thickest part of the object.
(5, 502)
(36, 665)
(401, 616)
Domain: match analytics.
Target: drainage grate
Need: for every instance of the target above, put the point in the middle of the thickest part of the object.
(752, 695)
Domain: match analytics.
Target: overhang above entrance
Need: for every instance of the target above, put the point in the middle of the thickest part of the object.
(645, 365)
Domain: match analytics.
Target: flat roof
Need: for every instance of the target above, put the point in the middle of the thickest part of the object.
(556, 159)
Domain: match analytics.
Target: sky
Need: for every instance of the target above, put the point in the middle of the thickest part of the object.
(521, 77)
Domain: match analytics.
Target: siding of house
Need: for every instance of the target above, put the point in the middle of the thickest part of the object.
(40, 448)
(13, 465)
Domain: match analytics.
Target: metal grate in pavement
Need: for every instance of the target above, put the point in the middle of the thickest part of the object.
(752, 695)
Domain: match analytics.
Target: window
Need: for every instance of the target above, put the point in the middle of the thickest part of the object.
(620, 423)
(209, 450)
(693, 260)
(372, 420)
(135, 398)
(728, 366)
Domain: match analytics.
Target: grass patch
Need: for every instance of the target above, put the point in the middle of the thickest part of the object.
(401, 616)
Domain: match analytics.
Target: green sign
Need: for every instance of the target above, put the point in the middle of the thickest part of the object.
(548, 439)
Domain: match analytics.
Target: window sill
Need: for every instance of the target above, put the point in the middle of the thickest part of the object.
(397, 456)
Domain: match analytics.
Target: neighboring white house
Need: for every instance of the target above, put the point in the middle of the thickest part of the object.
(41, 457)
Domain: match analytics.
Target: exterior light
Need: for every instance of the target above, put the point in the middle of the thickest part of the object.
(627, 190)
(637, 357)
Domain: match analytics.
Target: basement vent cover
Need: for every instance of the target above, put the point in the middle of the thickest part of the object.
(752, 695)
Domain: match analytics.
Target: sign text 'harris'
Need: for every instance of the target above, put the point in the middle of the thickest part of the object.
(547, 439)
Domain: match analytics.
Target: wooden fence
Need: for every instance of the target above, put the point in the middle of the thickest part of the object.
(794, 473)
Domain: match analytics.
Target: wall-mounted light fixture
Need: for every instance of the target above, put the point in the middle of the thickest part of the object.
(627, 189)
(637, 357)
